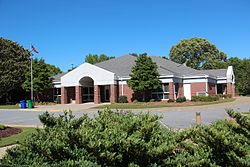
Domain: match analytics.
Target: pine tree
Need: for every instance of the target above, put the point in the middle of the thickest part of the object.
(144, 75)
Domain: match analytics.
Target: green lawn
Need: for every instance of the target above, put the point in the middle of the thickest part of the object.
(141, 105)
(9, 106)
(18, 138)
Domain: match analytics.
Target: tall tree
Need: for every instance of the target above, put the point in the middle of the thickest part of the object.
(242, 74)
(197, 53)
(94, 58)
(42, 74)
(14, 62)
(144, 75)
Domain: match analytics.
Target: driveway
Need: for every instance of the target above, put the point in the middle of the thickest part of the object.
(175, 117)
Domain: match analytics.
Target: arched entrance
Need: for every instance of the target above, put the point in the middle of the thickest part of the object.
(87, 86)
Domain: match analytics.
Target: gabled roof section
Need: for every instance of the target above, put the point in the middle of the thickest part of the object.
(122, 66)
(57, 78)
(217, 72)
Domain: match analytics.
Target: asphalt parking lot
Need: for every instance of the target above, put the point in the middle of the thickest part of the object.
(174, 117)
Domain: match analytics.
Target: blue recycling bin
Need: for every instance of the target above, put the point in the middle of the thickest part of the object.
(23, 104)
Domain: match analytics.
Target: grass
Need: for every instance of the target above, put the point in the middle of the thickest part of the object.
(141, 105)
(9, 106)
(17, 138)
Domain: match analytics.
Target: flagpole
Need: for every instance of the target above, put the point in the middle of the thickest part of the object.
(31, 78)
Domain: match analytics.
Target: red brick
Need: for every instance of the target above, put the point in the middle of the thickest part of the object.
(181, 90)
(64, 97)
(78, 94)
(113, 93)
(127, 91)
(97, 95)
(211, 89)
(198, 87)
(171, 90)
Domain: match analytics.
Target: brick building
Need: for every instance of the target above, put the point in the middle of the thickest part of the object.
(106, 81)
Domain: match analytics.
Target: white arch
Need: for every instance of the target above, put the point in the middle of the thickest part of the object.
(99, 75)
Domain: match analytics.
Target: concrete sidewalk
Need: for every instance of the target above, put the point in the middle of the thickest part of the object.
(63, 107)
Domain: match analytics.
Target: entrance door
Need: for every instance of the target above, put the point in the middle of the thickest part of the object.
(187, 91)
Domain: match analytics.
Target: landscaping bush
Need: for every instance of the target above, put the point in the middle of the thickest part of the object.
(227, 96)
(122, 99)
(125, 139)
(152, 100)
(2, 127)
(135, 101)
(181, 99)
(58, 100)
(170, 101)
(226, 142)
(205, 98)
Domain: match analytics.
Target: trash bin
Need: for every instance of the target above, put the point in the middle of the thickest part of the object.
(23, 104)
(29, 103)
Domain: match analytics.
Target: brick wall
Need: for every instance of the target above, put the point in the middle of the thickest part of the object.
(198, 87)
(231, 89)
(181, 90)
(97, 95)
(127, 91)
(78, 94)
(171, 90)
(211, 89)
(113, 93)
(64, 99)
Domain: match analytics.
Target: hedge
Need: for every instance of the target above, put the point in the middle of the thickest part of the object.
(122, 99)
(205, 98)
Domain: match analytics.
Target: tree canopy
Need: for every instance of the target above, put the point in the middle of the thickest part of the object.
(144, 75)
(242, 74)
(94, 58)
(197, 53)
(42, 74)
(14, 62)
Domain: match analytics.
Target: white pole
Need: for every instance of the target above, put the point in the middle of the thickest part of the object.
(31, 80)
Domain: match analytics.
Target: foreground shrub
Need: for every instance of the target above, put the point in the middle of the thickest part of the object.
(110, 139)
(205, 98)
(127, 139)
(227, 143)
(181, 99)
(122, 99)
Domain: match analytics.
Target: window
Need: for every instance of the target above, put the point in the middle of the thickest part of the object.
(87, 94)
(162, 93)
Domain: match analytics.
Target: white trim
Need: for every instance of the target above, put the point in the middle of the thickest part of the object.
(195, 76)
(216, 89)
(194, 80)
(99, 75)
(222, 78)
(187, 90)
(221, 81)
(122, 87)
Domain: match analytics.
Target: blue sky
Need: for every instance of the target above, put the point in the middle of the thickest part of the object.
(65, 31)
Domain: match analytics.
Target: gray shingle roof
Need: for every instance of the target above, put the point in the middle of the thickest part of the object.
(217, 73)
(122, 66)
(57, 78)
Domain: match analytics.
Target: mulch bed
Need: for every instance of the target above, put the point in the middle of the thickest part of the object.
(9, 131)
